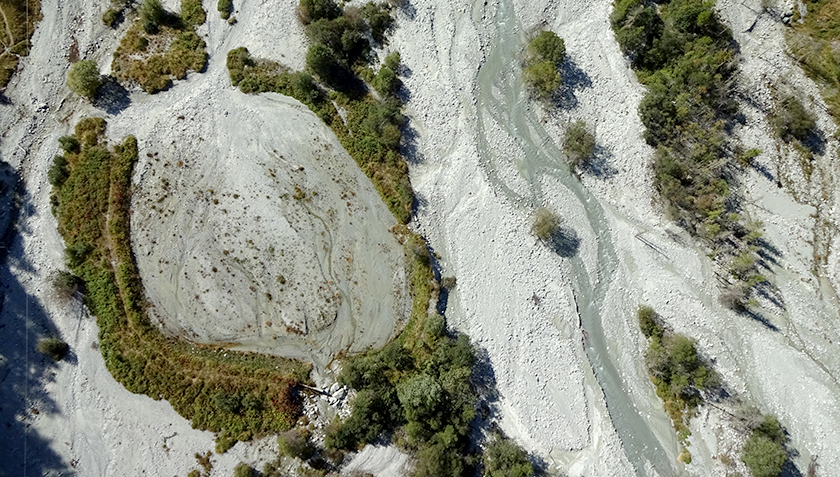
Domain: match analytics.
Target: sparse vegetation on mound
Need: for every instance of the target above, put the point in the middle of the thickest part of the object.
(161, 46)
(541, 70)
(234, 394)
(814, 44)
(19, 20)
(371, 133)
(683, 54)
(679, 373)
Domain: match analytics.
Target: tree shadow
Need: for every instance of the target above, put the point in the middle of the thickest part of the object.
(574, 79)
(815, 142)
(23, 396)
(410, 145)
(756, 316)
(112, 97)
(564, 242)
(762, 169)
(598, 165)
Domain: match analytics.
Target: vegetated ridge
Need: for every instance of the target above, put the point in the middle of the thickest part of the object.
(684, 56)
(19, 21)
(232, 393)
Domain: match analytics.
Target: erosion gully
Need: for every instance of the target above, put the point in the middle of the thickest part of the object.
(501, 99)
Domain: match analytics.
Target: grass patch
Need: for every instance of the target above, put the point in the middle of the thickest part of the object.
(19, 20)
(815, 43)
(234, 394)
(161, 47)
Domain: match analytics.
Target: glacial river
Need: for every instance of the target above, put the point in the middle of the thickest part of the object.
(501, 100)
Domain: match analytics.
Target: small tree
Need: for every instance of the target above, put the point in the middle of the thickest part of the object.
(83, 78)
(578, 144)
(314, 10)
(545, 223)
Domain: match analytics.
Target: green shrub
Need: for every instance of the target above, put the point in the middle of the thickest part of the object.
(547, 46)
(314, 10)
(243, 470)
(764, 452)
(793, 121)
(68, 144)
(578, 144)
(110, 17)
(58, 171)
(295, 443)
(83, 78)
(503, 458)
(379, 19)
(152, 15)
(545, 53)
(648, 322)
(224, 7)
(53, 347)
(544, 223)
(192, 13)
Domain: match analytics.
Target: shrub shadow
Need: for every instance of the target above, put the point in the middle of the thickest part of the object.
(598, 165)
(410, 145)
(574, 79)
(112, 97)
(564, 242)
(23, 396)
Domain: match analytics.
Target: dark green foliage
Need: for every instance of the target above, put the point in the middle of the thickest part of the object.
(53, 347)
(793, 121)
(83, 78)
(224, 6)
(322, 62)
(764, 452)
(379, 19)
(503, 458)
(386, 82)
(683, 54)
(545, 53)
(58, 171)
(313, 10)
(648, 322)
(295, 443)
(243, 470)
(110, 17)
(578, 144)
(68, 144)
(192, 13)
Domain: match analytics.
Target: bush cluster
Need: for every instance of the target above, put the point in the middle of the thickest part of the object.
(224, 7)
(234, 394)
(683, 54)
(676, 369)
(503, 458)
(138, 60)
(764, 452)
(541, 71)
